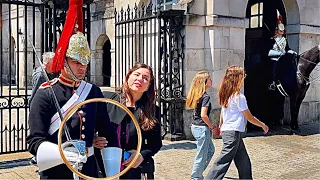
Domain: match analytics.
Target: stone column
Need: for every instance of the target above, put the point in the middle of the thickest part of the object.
(214, 41)
(99, 65)
(304, 33)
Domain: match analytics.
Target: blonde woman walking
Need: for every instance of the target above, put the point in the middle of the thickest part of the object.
(201, 127)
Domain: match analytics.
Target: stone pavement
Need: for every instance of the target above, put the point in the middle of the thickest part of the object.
(275, 156)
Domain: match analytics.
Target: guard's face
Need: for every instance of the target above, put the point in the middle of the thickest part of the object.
(139, 80)
(280, 32)
(77, 68)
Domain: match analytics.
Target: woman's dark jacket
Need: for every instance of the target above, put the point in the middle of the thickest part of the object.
(151, 139)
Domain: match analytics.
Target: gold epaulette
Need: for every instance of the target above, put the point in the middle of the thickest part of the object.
(47, 84)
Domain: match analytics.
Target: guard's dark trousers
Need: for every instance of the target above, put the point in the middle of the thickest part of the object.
(233, 149)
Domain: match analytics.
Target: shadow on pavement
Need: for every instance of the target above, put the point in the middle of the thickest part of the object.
(230, 178)
(14, 163)
(305, 130)
(182, 145)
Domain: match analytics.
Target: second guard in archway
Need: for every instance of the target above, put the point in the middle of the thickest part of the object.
(279, 51)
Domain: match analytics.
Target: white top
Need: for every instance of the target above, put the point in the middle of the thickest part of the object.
(233, 118)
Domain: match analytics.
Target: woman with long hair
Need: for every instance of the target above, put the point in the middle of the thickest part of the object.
(201, 126)
(138, 93)
(233, 117)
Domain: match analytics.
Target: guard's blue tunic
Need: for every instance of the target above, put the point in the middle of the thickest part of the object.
(94, 119)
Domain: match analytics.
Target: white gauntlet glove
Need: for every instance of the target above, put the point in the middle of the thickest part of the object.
(73, 156)
(48, 155)
(75, 153)
(292, 52)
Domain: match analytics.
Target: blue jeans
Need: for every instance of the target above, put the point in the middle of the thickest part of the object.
(205, 150)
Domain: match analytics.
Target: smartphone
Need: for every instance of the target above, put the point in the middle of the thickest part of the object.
(126, 155)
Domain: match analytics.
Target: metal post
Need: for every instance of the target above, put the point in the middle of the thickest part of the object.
(9, 65)
(17, 74)
(88, 25)
(25, 69)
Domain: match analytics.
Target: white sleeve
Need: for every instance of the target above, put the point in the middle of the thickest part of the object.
(242, 105)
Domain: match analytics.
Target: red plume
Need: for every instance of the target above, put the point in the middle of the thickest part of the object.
(279, 19)
(74, 16)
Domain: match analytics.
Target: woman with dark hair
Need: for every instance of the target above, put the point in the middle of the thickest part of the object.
(138, 94)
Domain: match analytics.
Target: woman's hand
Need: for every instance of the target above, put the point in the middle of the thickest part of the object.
(137, 163)
(216, 132)
(265, 129)
(100, 142)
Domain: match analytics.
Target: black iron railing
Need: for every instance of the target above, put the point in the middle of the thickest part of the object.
(153, 36)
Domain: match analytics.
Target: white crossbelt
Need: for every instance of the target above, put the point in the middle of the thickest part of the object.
(80, 95)
(90, 151)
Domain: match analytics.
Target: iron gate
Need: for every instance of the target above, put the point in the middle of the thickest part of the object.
(153, 36)
(22, 21)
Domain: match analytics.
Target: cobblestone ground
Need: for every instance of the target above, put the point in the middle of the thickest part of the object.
(276, 156)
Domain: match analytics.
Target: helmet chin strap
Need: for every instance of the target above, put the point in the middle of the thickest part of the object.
(69, 71)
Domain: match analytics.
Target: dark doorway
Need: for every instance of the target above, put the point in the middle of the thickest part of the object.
(262, 15)
(106, 69)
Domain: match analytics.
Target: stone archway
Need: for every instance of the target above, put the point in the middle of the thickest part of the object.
(101, 65)
(292, 23)
(106, 63)
(257, 64)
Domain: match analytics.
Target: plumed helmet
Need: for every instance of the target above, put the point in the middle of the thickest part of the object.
(280, 25)
(78, 48)
(73, 24)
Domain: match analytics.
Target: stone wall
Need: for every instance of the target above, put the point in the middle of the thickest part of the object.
(213, 40)
(309, 10)
(309, 36)
(306, 41)
(102, 29)
(131, 3)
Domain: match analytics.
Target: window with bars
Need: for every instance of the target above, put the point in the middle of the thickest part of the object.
(165, 4)
(256, 15)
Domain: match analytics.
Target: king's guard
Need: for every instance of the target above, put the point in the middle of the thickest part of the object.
(71, 59)
(278, 50)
